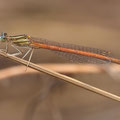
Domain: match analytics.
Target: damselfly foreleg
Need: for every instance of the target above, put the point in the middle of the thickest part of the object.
(17, 53)
(6, 47)
(20, 53)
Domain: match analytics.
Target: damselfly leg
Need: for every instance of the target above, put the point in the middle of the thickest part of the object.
(27, 53)
(6, 47)
(32, 50)
(17, 53)
(20, 53)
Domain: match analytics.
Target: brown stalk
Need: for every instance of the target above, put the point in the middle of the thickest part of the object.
(62, 77)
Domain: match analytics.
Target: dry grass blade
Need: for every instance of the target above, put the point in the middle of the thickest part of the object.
(62, 77)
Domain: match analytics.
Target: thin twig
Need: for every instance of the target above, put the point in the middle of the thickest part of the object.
(62, 77)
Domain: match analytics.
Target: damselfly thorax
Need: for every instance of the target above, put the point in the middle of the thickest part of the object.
(19, 40)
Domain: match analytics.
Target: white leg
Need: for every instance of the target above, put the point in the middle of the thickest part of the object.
(6, 48)
(15, 54)
(30, 58)
(27, 53)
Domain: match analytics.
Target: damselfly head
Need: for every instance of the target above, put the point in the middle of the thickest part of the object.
(3, 37)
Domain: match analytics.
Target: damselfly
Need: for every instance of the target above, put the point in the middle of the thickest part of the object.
(75, 53)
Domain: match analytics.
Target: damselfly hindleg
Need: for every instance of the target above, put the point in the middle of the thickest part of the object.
(27, 53)
(32, 50)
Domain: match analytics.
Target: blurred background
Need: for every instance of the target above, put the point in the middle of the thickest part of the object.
(34, 96)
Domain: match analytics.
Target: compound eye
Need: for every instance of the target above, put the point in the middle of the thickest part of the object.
(3, 34)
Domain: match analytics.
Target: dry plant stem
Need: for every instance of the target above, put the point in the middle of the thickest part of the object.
(63, 77)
